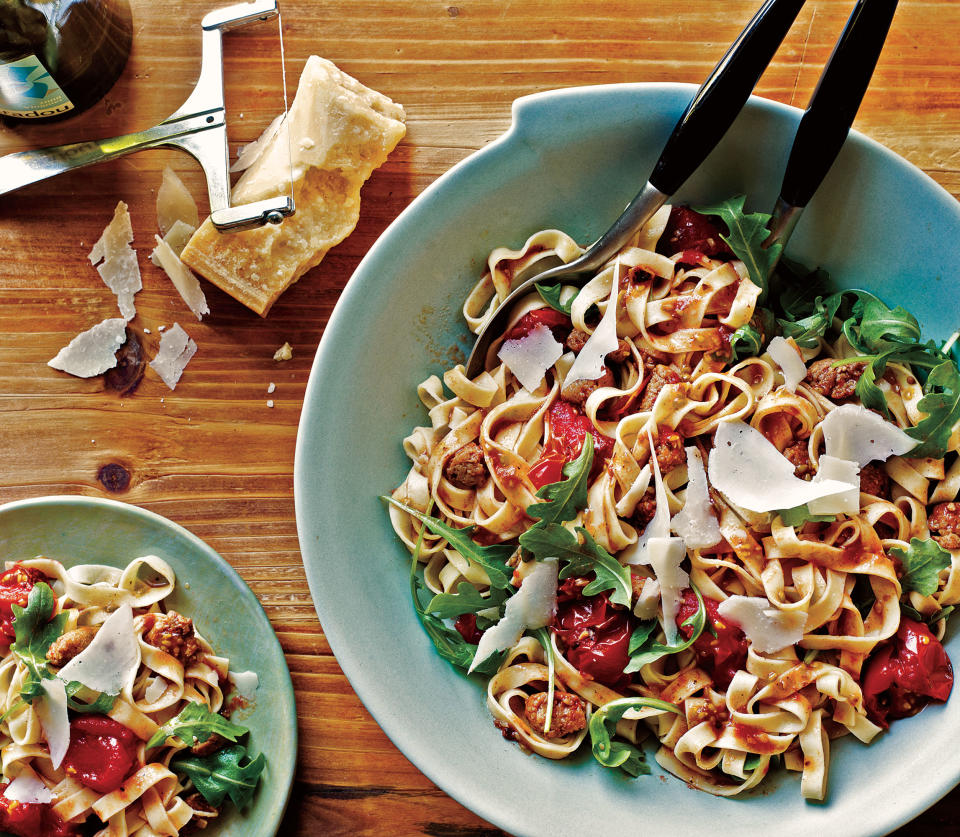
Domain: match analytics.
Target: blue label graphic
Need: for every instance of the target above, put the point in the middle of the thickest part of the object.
(28, 90)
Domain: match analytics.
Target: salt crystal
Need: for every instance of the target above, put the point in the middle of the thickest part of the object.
(182, 277)
(271, 388)
(270, 403)
(175, 203)
(176, 349)
(161, 328)
(92, 351)
(147, 331)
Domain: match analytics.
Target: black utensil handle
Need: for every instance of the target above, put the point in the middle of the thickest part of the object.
(827, 119)
(722, 96)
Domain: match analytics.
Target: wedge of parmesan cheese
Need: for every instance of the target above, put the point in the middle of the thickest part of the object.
(529, 357)
(336, 134)
(92, 351)
(768, 628)
(750, 472)
(531, 607)
(111, 660)
(119, 270)
(856, 433)
(182, 277)
(176, 349)
(175, 203)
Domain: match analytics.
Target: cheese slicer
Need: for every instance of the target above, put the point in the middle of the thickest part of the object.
(198, 127)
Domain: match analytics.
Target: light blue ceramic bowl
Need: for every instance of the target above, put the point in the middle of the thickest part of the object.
(89, 530)
(572, 159)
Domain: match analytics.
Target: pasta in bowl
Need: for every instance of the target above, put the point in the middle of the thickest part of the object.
(681, 503)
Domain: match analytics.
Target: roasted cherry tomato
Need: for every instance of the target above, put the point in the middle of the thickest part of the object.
(102, 752)
(905, 674)
(568, 426)
(688, 230)
(466, 625)
(596, 637)
(558, 322)
(31, 819)
(15, 586)
(723, 655)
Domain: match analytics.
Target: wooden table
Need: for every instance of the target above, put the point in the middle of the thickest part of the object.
(213, 455)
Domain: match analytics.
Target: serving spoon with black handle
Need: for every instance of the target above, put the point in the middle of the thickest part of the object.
(702, 125)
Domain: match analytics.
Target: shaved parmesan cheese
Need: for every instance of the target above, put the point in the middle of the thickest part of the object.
(155, 690)
(250, 153)
(175, 203)
(665, 555)
(52, 711)
(695, 522)
(121, 274)
(659, 525)
(28, 788)
(750, 472)
(648, 602)
(176, 349)
(116, 237)
(92, 351)
(285, 352)
(529, 357)
(182, 277)
(768, 628)
(589, 363)
(788, 358)
(845, 502)
(177, 238)
(245, 683)
(856, 433)
(110, 661)
(531, 607)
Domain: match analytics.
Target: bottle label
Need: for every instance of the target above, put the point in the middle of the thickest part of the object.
(28, 91)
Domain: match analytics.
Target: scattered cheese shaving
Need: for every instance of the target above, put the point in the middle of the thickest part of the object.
(92, 351)
(175, 203)
(845, 502)
(182, 277)
(109, 663)
(695, 522)
(531, 607)
(156, 689)
(648, 602)
(52, 711)
(285, 352)
(177, 238)
(750, 472)
(28, 788)
(272, 388)
(659, 525)
(529, 357)
(176, 349)
(270, 402)
(120, 270)
(250, 153)
(589, 363)
(788, 358)
(665, 555)
(245, 683)
(854, 432)
(768, 628)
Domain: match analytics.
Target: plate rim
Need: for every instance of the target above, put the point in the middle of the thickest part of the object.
(123, 508)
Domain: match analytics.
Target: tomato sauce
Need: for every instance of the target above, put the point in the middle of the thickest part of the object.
(558, 322)
(568, 426)
(102, 752)
(31, 819)
(905, 674)
(15, 586)
(596, 636)
(723, 655)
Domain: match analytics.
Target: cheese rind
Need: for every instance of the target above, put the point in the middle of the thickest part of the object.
(337, 132)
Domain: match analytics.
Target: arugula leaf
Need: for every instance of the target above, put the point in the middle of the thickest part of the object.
(467, 599)
(223, 774)
(799, 515)
(745, 342)
(807, 331)
(643, 649)
(493, 558)
(922, 563)
(100, 705)
(603, 725)
(543, 637)
(932, 619)
(609, 573)
(746, 236)
(550, 294)
(941, 403)
(196, 723)
(569, 495)
(797, 286)
(34, 633)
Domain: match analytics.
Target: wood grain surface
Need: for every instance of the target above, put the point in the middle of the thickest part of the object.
(212, 455)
